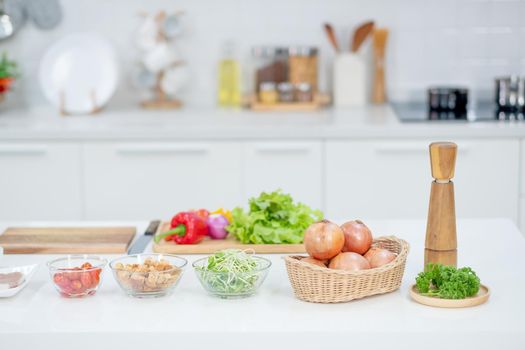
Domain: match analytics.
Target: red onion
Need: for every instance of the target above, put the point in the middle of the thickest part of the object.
(217, 226)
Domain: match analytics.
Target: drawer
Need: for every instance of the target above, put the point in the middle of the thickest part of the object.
(294, 167)
(40, 181)
(391, 179)
(146, 180)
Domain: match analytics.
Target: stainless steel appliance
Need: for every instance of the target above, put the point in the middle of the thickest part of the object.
(452, 104)
(446, 100)
(510, 95)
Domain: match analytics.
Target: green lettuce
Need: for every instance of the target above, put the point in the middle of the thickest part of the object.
(272, 218)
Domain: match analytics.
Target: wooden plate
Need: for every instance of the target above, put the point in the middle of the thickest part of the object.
(209, 246)
(478, 299)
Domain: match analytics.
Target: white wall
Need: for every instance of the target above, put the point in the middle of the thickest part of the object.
(432, 41)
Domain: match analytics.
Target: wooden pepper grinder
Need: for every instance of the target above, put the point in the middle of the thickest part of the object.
(441, 242)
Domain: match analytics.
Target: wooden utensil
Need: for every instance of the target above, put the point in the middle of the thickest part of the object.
(209, 246)
(380, 36)
(330, 32)
(441, 241)
(67, 240)
(478, 299)
(360, 34)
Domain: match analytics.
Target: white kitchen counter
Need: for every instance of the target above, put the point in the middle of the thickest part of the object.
(274, 319)
(212, 123)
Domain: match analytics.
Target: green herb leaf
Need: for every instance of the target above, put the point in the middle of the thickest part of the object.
(8, 68)
(447, 282)
(273, 218)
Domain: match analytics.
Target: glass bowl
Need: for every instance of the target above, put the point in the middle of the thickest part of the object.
(76, 275)
(148, 275)
(230, 285)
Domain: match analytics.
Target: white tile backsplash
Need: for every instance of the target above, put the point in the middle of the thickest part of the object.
(432, 42)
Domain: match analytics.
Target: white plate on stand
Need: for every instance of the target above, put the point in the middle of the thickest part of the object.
(79, 73)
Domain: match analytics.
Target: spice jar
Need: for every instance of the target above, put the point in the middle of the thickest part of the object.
(270, 65)
(302, 66)
(268, 93)
(286, 92)
(303, 92)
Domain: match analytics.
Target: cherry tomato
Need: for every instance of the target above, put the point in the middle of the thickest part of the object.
(74, 273)
(95, 277)
(76, 285)
(60, 279)
(86, 280)
(86, 266)
(66, 290)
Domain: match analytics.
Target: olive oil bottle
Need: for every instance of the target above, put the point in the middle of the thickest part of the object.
(229, 89)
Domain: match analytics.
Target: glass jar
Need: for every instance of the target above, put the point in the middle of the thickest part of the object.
(270, 65)
(268, 93)
(303, 66)
(303, 92)
(286, 92)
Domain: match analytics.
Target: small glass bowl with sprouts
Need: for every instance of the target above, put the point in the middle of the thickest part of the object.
(232, 273)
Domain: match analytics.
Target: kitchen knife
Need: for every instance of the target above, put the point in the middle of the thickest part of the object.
(142, 242)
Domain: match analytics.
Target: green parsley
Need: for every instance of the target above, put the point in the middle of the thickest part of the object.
(447, 282)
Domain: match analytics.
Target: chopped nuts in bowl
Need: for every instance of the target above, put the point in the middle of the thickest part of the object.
(148, 275)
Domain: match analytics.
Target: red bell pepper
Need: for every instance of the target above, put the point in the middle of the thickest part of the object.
(186, 228)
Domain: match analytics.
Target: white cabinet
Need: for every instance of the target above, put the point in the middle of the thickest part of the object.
(294, 167)
(391, 179)
(522, 215)
(40, 181)
(522, 174)
(147, 180)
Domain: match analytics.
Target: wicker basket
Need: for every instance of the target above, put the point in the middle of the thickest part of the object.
(321, 285)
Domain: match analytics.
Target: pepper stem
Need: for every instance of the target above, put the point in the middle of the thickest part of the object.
(180, 230)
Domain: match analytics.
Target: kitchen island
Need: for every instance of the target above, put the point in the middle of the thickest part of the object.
(273, 319)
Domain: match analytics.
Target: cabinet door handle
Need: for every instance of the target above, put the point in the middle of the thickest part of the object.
(278, 149)
(410, 149)
(23, 150)
(161, 149)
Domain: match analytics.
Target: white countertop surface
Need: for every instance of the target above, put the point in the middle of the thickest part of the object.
(203, 123)
(191, 319)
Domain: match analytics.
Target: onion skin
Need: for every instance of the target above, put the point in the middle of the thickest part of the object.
(378, 257)
(349, 261)
(358, 237)
(313, 261)
(323, 240)
(217, 226)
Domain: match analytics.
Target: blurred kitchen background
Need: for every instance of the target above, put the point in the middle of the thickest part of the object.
(434, 42)
(360, 156)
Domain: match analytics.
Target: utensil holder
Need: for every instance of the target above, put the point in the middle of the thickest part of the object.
(349, 77)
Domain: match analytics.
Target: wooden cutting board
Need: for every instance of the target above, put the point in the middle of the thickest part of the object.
(209, 246)
(67, 240)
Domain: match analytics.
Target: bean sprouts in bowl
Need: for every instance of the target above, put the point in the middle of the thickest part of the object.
(232, 273)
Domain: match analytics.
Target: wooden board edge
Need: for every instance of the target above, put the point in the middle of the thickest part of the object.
(48, 251)
(20, 229)
(258, 248)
